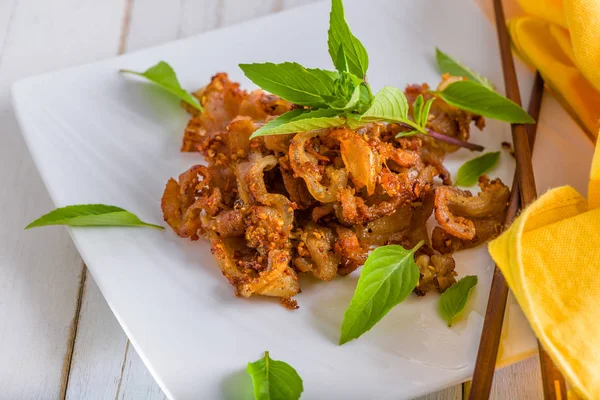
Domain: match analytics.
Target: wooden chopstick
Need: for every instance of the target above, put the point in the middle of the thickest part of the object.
(494, 316)
(553, 382)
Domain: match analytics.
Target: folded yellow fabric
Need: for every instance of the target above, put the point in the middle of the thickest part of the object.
(551, 253)
(560, 39)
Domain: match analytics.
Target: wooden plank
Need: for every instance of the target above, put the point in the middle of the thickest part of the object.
(522, 380)
(40, 270)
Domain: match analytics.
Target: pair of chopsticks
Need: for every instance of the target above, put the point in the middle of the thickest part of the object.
(523, 193)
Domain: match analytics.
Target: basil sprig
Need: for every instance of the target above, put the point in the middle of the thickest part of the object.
(389, 275)
(469, 173)
(90, 215)
(452, 302)
(347, 94)
(164, 76)
(274, 380)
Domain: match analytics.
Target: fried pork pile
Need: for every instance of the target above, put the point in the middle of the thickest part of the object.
(315, 202)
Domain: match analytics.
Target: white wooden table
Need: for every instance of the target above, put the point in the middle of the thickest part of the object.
(58, 338)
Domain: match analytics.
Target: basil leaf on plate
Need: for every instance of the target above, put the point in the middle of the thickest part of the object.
(469, 173)
(389, 275)
(339, 35)
(452, 302)
(450, 65)
(388, 104)
(274, 380)
(163, 75)
(292, 82)
(473, 97)
(90, 215)
(301, 121)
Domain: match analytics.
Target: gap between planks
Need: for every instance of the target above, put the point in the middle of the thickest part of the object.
(68, 359)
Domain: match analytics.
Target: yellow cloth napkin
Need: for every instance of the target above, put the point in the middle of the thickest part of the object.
(561, 40)
(550, 255)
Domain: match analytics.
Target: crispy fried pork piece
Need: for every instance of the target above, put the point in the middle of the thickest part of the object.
(388, 229)
(437, 272)
(221, 101)
(295, 187)
(486, 227)
(183, 200)
(226, 223)
(268, 225)
(455, 209)
(352, 253)
(418, 222)
(362, 163)
(259, 105)
(278, 280)
(306, 166)
(317, 243)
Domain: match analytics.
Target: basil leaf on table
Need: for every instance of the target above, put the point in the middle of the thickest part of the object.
(292, 82)
(90, 215)
(473, 97)
(301, 121)
(388, 104)
(450, 65)
(469, 173)
(389, 275)
(339, 35)
(163, 75)
(452, 302)
(274, 380)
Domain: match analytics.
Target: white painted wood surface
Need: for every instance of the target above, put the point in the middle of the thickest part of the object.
(58, 337)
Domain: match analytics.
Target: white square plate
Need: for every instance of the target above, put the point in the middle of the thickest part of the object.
(98, 137)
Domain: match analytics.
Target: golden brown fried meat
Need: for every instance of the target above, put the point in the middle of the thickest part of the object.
(456, 209)
(316, 202)
(306, 166)
(185, 199)
(437, 273)
(487, 220)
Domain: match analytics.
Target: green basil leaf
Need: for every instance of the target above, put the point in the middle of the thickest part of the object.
(406, 134)
(469, 173)
(389, 104)
(163, 75)
(418, 109)
(341, 62)
(301, 121)
(340, 35)
(347, 92)
(452, 302)
(274, 380)
(389, 275)
(366, 98)
(473, 97)
(293, 82)
(90, 215)
(450, 65)
(425, 112)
